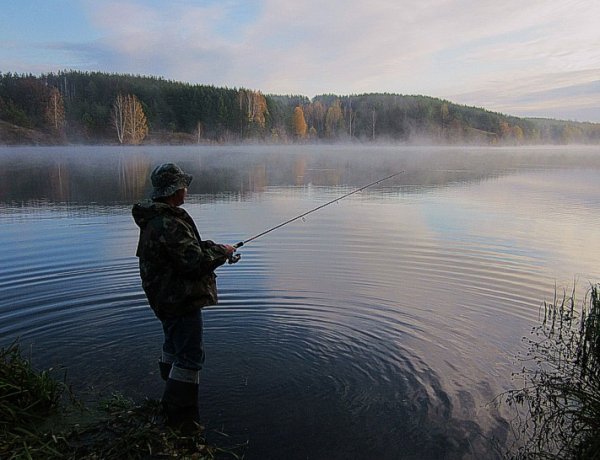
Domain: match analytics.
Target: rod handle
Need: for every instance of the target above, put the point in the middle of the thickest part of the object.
(238, 245)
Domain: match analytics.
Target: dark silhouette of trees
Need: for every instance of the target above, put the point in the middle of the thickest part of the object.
(78, 107)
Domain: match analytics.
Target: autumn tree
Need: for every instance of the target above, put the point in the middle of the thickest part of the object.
(253, 106)
(199, 131)
(55, 112)
(314, 114)
(569, 134)
(351, 115)
(137, 127)
(118, 116)
(518, 134)
(334, 119)
(505, 129)
(299, 123)
(129, 119)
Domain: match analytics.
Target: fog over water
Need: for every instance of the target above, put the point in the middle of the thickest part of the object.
(378, 327)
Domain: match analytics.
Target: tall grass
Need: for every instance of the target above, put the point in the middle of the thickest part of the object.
(30, 401)
(26, 399)
(558, 399)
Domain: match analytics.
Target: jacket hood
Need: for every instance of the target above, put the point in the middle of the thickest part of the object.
(146, 211)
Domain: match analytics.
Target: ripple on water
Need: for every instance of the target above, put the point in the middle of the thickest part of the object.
(382, 323)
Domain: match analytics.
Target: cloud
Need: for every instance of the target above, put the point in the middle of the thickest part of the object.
(436, 47)
(564, 95)
(183, 41)
(491, 54)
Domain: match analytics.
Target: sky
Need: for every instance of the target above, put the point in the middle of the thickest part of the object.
(536, 58)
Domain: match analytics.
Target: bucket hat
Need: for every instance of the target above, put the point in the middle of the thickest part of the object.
(167, 178)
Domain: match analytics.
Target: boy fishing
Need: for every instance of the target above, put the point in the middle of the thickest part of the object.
(177, 271)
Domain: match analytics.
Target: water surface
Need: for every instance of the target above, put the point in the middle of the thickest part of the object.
(378, 327)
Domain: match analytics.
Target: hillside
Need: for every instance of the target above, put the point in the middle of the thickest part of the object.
(77, 107)
(11, 134)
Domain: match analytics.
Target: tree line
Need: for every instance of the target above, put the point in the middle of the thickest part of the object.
(96, 107)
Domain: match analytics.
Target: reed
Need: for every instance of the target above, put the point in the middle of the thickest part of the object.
(134, 431)
(35, 422)
(558, 402)
(27, 398)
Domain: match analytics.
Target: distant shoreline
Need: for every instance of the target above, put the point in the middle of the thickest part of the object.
(99, 108)
(16, 136)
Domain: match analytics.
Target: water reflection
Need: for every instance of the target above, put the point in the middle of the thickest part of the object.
(133, 174)
(377, 329)
(106, 175)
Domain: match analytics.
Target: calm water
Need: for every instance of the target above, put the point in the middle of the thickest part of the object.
(379, 327)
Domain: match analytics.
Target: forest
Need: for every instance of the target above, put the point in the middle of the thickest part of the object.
(101, 108)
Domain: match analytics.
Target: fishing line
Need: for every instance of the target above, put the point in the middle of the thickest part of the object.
(289, 221)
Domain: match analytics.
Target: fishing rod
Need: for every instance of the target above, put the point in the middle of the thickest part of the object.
(236, 257)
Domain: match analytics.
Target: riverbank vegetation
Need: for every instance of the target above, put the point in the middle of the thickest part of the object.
(81, 107)
(557, 404)
(41, 418)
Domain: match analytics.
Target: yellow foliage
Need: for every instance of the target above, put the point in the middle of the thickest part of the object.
(254, 104)
(129, 119)
(334, 119)
(55, 111)
(300, 127)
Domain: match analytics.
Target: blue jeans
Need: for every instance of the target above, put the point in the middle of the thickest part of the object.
(183, 340)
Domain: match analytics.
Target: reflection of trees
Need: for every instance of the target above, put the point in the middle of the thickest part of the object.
(257, 178)
(73, 179)
(23, 181)
(133, 174)
(58, 178)
(323, 176)
(299, 170)
(123, 177)
(4, 184)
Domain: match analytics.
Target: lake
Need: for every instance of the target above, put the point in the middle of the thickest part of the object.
(378, 327)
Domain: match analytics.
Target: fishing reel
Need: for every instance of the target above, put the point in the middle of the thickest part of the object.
(234, 259)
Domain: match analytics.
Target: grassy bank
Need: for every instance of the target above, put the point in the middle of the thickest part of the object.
(41, 418)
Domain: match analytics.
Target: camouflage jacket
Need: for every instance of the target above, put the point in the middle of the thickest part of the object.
(176, 266)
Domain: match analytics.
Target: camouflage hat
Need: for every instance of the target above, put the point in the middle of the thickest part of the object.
(167, 178)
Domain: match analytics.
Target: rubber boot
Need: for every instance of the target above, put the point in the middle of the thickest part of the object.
(165, 369)
(180, 401)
